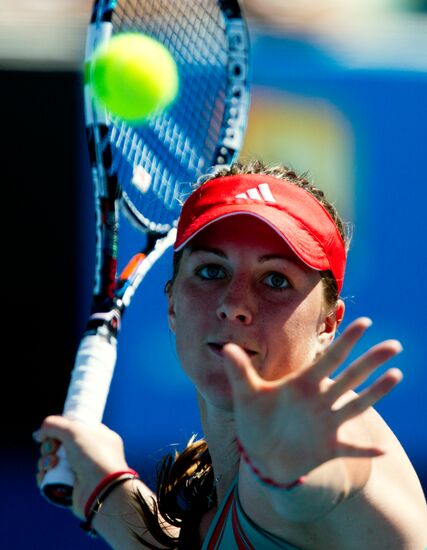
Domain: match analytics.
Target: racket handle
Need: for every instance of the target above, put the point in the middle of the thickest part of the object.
(85, 402)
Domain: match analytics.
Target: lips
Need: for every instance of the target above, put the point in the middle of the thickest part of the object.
(216, 347)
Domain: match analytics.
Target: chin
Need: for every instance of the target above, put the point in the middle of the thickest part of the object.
(216, 391)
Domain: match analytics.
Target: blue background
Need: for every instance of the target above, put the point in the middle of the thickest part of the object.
(152, 404)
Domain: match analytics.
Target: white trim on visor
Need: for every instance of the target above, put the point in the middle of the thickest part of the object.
(181, 246)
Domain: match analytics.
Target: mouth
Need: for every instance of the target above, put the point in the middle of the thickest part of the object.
(216, 347)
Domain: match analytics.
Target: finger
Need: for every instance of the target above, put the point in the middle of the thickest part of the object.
(347, 450)
(369, 396)
(338, 352)
(39, 478)
(242, 375)
(49, 446)
(47, 462)
(360, 369)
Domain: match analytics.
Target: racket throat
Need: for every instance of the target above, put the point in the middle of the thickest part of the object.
(105, 323)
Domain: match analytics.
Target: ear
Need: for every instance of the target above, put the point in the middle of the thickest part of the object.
(171, 308)
(329, 325)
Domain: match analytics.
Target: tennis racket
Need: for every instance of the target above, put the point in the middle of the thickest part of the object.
(143, 173)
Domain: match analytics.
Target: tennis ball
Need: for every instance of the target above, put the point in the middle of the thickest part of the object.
(133, 76)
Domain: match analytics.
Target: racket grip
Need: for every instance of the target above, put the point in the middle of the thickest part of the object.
(86, 398)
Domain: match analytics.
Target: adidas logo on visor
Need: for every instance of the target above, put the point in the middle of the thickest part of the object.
(261, 193)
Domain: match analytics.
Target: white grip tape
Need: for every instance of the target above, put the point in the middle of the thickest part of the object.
(91, 379)
(87, 394)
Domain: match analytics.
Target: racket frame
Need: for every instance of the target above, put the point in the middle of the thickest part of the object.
(113, 294)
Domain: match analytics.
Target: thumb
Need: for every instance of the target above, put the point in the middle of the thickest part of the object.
(240, 372)
(349, 450)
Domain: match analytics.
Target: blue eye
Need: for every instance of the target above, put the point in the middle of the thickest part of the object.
(211, 272)
(277, 281)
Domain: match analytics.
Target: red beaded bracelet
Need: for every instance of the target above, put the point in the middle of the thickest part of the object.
(101, 491)
(263, 479)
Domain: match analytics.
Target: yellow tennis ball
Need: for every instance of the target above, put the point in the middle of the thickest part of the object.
(133, 76)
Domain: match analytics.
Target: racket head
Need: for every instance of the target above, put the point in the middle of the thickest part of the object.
(157, 163)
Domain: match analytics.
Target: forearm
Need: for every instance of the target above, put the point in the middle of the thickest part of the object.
(323, 489)
(118, 519)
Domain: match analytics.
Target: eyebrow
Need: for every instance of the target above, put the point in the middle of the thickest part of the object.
(261, 259)
(215, 251)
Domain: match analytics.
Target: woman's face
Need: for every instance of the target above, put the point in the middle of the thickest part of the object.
(240, 282)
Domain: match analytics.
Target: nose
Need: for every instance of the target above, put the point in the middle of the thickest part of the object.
(236, 304)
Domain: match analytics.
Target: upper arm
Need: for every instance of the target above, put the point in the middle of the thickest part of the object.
(389, 512)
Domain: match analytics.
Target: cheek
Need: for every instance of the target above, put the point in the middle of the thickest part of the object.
(194, 307)
(306, 333)
(190, 321)
(293, 341)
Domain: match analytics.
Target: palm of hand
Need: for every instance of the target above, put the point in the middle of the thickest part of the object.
(292, 425)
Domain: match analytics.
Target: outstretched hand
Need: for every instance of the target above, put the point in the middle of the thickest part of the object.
(290, 426)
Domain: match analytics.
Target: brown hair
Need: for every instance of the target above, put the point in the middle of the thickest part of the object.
(185, 482)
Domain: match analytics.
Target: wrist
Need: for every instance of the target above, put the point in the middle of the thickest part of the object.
(262, 477)
(101, 492)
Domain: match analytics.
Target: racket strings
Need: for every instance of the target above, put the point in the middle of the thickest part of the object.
(157, 163)
(188, 38)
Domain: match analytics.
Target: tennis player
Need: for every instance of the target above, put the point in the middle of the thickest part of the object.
(292, 456)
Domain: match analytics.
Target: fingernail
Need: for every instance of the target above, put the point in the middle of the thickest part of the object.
(397, 374)
(36, 436)
(367, 321)
(399, 346)
(48, 446)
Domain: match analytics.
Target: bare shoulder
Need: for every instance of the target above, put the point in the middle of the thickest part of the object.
(391, 472)
(390, 508)
(395, 466)
(386, 510)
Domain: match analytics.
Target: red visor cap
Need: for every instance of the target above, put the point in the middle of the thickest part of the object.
(291, 211)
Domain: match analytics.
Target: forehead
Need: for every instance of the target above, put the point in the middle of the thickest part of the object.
(244, 233)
